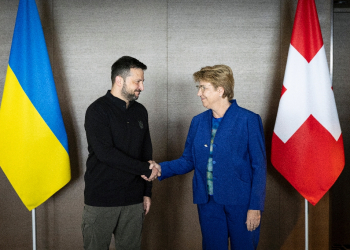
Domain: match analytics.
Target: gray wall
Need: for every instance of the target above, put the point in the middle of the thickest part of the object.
(174, 38)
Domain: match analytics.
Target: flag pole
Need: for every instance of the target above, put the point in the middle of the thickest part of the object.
(306, 225)
(34, 229)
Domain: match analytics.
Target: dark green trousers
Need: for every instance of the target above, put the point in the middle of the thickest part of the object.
(125, 223)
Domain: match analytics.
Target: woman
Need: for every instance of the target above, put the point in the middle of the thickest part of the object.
(226, 149)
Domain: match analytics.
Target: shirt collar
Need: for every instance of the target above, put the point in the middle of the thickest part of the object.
(118, 102)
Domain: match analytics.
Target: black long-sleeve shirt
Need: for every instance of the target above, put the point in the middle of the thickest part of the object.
(120, 147)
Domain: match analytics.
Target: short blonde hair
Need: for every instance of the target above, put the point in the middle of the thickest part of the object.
(218, 76)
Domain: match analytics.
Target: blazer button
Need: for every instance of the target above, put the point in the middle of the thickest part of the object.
(214, 162)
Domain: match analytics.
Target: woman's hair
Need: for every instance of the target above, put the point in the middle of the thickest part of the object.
(218, 76)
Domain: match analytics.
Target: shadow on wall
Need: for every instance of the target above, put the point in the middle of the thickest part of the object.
(340, 204)
(47, 212)
(280, 218)
(62, 89)
(173, 220)
(156, 224)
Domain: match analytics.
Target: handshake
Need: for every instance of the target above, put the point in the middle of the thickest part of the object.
(156, 171)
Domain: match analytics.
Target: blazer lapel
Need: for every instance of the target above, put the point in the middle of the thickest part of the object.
(229, 119)
(205, 126)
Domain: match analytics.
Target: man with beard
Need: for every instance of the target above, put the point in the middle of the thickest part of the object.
(119, 144)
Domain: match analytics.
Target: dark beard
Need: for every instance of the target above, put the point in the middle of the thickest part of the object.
(128, 96)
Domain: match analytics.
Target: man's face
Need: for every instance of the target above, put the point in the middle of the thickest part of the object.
(133, 85)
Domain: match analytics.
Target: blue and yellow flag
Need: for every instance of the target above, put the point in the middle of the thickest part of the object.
(33, 141)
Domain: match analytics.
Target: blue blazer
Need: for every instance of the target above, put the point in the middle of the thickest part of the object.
(239, 158)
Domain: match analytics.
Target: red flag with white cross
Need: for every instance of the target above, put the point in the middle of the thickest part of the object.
(307, 143)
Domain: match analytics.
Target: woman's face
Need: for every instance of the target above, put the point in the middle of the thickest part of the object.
(208, 94)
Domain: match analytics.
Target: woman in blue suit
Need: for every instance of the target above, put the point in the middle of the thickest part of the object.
(225, 147)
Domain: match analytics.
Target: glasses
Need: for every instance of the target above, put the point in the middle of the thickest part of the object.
(202, 88)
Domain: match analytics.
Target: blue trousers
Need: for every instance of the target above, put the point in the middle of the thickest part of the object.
(220, 222)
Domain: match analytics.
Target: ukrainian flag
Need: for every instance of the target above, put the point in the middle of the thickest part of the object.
(33, 141)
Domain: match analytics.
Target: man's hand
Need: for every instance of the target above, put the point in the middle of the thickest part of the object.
(156, 165)
(146, 204)
(253, 219)
(156, 171)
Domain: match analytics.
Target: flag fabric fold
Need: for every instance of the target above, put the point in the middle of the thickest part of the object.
(307, 143)
(33, 141)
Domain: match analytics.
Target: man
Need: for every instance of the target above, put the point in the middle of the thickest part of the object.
(119, 145)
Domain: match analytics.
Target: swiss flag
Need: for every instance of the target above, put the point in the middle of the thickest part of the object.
(307, 143)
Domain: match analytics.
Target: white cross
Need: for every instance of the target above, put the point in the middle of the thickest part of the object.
(309, 92)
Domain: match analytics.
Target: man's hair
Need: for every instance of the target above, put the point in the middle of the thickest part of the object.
(218, 76)
(122, 67)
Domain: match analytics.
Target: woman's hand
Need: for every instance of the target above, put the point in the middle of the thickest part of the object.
(253, 219)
